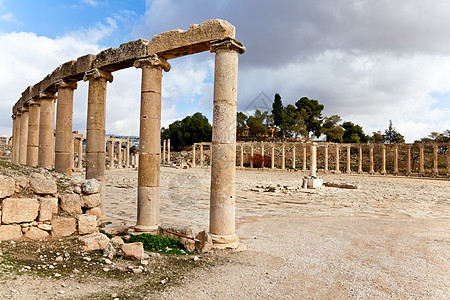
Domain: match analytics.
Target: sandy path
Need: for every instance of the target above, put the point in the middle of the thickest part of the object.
(388, 238)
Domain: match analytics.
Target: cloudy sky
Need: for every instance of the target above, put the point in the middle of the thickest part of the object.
(369, 61)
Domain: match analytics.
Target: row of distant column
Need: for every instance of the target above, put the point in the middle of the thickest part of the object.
(123, 157)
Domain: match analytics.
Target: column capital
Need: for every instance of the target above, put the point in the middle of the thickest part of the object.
(45, 95)
(227, 44)
(33, 102)
(153, 60)
(97, 73)
(66, 83)
(24, 109)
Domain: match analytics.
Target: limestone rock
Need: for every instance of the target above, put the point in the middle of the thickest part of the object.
(134, 251)
(18, 210)
(77, 180)
(21, 183)
(71, 204)
(188, 244)
(90, 186)
(205, 242)
(10, 232)
(87, 224)
(7, 186)
(36, 234)
(96, 211)
(94, 241)
(41, 185)
(165, 229)
(43, 226)
(90, 201)
(63, 226)
(49, 207)
(109, 251)
(117, 240)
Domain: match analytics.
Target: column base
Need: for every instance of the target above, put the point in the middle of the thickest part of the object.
(146, 229)
(225, 241)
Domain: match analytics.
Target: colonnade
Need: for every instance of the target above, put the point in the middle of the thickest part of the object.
(166, 151)
(118, 156)
(34, 115)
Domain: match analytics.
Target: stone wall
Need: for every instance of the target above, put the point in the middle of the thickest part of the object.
(37, 204)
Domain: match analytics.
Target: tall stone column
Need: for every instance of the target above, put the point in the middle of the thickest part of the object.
(360, 160)
(119, 155)
(46, 130)
(223, 171)
(23, 136)
(395, 160)
(408, 160)
(383, 159)
(193, 154)
(293, 156)
(273, 157)
(326, 158)
(72, 153)
(201, 155)
(349, 170)
(313, 162)
(421, 161)
(80, 154)
(435, 160)
(304, 158)
(168, 150)
(283, 156)
(33, 133)
(371, 169)
(150, 142)
(64, 115)
(337, 170)
(127, 153)
(251, 156)
(164, 152)
(95, 129)
(242, 155)
(262, 154)
(16, 138)
(110, 153)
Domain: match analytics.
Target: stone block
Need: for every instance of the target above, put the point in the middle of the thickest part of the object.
(48, 207)
(314, 183)
(114, 59)
(71, 204)
(7, 186)
(43, 186)
(18, 210)
(63, 226)
(27, 94)
(91, 201)
(204, 243)
(45, 83)
(109, 251)
(165, 229)
(87, 224)
(68, 69)
(96, 211)
(117, 240)
(188, 244)
(10, 232)
(94, 241)
(134, 251)
(90, 186)
(35, 233)
(84, 63)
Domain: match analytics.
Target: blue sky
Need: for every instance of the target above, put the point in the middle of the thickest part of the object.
(364, 60)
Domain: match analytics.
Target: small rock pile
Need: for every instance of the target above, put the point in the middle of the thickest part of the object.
(276, 189)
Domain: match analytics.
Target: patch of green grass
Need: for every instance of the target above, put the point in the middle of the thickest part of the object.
(155, 243)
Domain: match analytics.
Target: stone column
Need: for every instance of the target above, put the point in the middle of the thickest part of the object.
(283, 156)
(337, 160)
(262, 154)
(383, 159)
(150, 142)
(119, 155)
(201, 154)
(395, 160)
(127, 153)
(80, 154)
(242, 155)
(168, 150)
(304, 158)
(164, 152)
(33, 133)
(421, 161)
(371, 169)
(448, 160)
(72, 153)
(111, 153)
(273, 157)
(349, 170)
(193, 154)
(223, 171)
(16, 138)
(251, 156)
(46, 130)
(23, 136)
(64, 115)
(360, 160)
(313, 162)
(408, 160)
(95, 129)
(435, 160)
(326, 158)
(293, 156)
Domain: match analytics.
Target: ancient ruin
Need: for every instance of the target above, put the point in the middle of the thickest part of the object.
(36, 144)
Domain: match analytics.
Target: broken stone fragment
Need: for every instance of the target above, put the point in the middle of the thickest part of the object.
(19, 210)
(90, 186)
(63, 226)
(71, 204)
(39, 184)
(94, 241)
(87, 224)
(109, 251)
(204, 243)
(7, 186)
(134, 251)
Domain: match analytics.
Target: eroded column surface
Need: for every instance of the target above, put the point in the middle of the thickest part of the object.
(33, 133)
(164, 152)
(16, 138)
(262, 154)
(283, 156)
(326, 158)
(371, 169)
(201, 154)
(273, 157)
(349, 170)
(80, 155)
(251, 156)
(421, 161)
(304, 158)
(23, 136)
(313, 158)
(64, 116)
(435, 160)
(408, 160)
(46, 130)
(448, 160)
(127, 153)
(119, 155)
(242, 155)
(360, 160)
(293, 156)
(395, 160)
(95, 129)
(168, 150)
(383, 159)
(111, 153)
(193, 154)
(222, 197)
(337, 170)
(150, 142)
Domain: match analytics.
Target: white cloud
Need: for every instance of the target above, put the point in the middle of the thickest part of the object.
(92, 2)
(7, 17)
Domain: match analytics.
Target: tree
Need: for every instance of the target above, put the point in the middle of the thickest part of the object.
(278, 112)
(332, 129)
(241, 123)
(256, 123)
(391, 135)
(190, 130)
(294, 122)
(313, 112)
(436, 137)
(353, 133)
(377, 137)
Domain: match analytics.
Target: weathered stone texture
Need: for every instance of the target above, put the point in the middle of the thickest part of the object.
(63, 226)
(36, 234)
(84, 63)
(7, 186)
(49, 207)
(71, 204)
(91, 201)
(10, 232)
(87, 224)
(134, 251)
(90, 186)
(94, 241)
(96, 211)
(113, 59)
(41, 185)
(18, 210)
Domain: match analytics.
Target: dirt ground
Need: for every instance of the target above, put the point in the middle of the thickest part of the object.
(390, 238)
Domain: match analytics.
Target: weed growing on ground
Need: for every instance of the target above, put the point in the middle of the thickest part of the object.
(156, 243)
